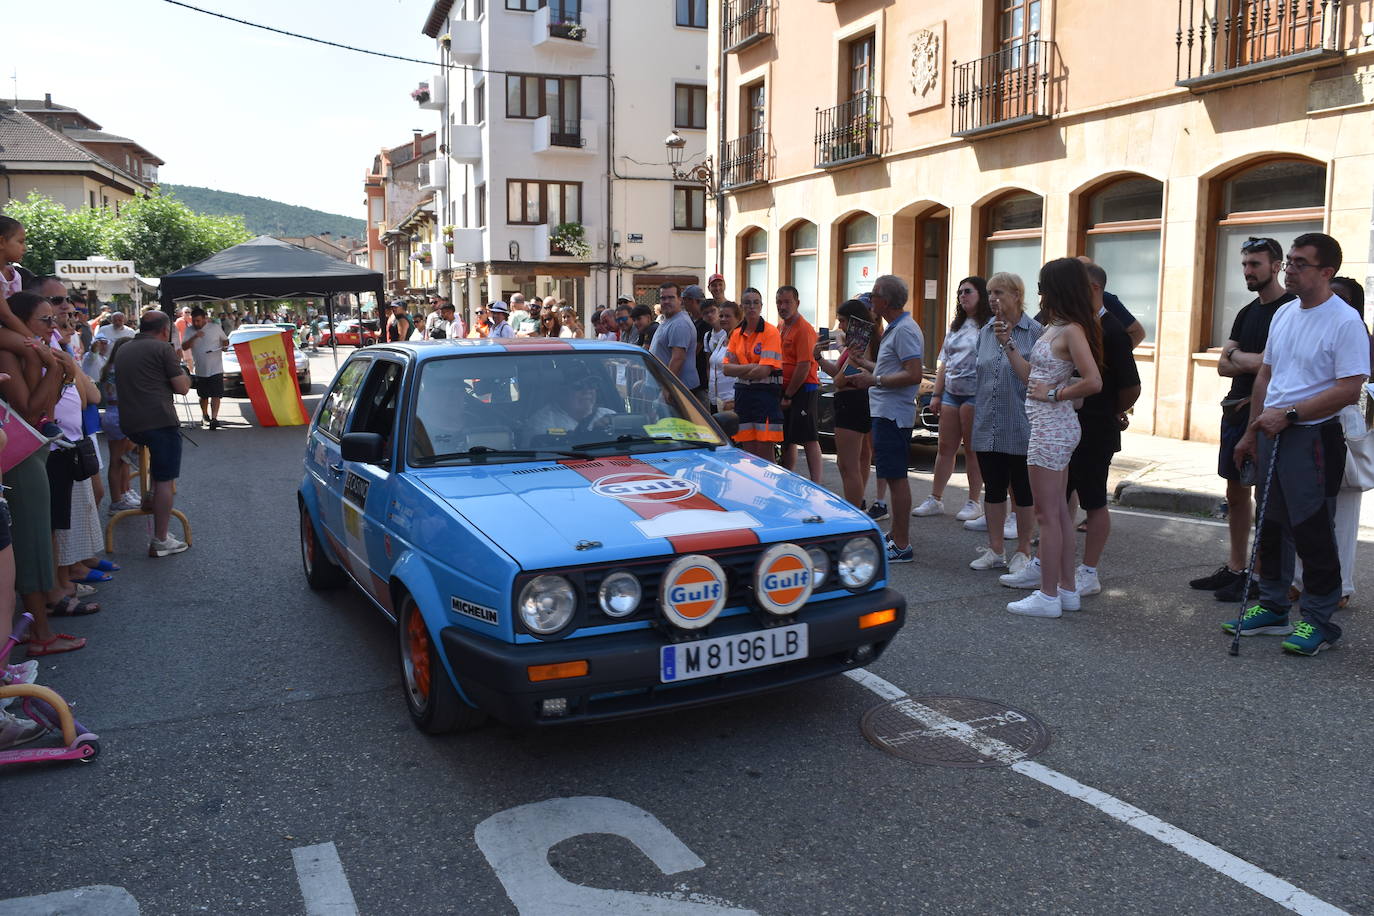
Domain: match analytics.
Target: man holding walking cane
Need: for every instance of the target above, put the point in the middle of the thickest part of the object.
(1316, 359)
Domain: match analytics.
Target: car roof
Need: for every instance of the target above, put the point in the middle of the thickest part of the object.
(430, 349)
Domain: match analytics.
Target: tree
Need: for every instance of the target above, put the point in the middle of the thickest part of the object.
(55, 234)
(161, 234)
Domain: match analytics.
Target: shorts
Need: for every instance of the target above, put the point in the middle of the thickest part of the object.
(851, 411)
(799, 420)
(209, 386)
(109, 423)
(1088, 475)
(760, 414)
(891, 449)
(164, 445)
(29, 516)
(60, 484)
(1002, 471)
(957, 400)
(1231, 433)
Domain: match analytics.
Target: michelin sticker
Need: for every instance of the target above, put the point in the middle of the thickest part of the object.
(475, 611)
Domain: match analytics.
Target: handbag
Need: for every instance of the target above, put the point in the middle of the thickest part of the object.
(84, 458)
(1359, 450)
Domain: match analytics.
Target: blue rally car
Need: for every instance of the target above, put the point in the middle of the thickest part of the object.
(562, 534)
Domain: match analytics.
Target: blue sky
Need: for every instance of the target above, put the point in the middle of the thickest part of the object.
(227, 106)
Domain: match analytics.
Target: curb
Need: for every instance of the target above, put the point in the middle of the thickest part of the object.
(1132, 493)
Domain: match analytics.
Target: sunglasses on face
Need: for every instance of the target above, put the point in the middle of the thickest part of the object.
(48, 319)
(58, 300)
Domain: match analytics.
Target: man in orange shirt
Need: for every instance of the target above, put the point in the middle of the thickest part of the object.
(755, 363)
(800, 384)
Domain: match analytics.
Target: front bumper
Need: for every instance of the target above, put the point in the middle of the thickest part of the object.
(623, 668)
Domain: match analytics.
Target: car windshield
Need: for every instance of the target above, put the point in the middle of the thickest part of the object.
(504, 407)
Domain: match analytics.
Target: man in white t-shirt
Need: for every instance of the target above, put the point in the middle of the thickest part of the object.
(116, 330)
(206, 343)
(1315, 361)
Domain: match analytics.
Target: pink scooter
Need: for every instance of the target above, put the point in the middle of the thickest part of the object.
(49, 710)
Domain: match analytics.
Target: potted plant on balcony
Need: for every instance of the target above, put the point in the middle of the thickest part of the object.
(446, 39)
(420, 93)
(448, 231)
(569, 239)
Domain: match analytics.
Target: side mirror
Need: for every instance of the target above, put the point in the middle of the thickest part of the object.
(369, 448)
(728, 421)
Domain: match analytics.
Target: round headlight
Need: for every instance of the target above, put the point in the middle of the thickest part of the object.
(547, 604)
(619, 594)
(859, 563)
(820, 566)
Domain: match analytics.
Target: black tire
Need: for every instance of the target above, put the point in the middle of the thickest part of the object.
(320, 571)
(433, 702)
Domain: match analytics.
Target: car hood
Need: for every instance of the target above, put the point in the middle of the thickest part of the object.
(573, 512)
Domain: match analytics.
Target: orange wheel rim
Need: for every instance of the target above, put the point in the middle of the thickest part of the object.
(419, 652)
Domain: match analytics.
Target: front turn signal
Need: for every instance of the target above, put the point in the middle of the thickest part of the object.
(876, 619)
(556, 672)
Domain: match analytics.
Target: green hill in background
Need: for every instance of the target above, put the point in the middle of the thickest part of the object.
(267, 217)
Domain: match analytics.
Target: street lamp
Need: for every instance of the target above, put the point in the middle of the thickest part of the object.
(703, 173)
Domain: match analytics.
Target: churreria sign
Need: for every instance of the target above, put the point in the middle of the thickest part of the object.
(94, 270)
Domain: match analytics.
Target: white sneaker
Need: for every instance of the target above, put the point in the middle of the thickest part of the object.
(977, 524)
(1068, 600)
(931, 506)
(166, 547)
(15, 731)
(1009, 527)
(127, 501)
(25, 673)
(1036, 605)
(1087, 582)
(1027, 577)
(1018, 562)
(988, 559)
(970, 511)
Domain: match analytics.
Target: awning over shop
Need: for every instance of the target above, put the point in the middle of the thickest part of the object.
(268, 268)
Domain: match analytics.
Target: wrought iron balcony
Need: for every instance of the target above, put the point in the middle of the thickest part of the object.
(746, 161)
(1220, 41)
(566, 132)
(744, 22)
(849, 131)
(1003, 90)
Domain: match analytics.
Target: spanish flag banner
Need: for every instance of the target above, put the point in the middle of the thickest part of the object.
(268, 365)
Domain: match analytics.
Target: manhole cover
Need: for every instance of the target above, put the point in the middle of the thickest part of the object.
(955, 731)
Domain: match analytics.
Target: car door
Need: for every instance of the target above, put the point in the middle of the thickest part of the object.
(323, 462)
(368, 487)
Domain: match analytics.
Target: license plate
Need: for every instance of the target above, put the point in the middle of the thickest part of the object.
(707, 657)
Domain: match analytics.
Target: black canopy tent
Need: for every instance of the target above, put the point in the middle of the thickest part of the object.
(268, 268)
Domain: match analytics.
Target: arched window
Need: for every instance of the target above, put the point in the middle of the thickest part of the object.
(755, 248)
(801, 268)
(1012, 237)
(1281, 200)
(858, 255)
(1123, 235)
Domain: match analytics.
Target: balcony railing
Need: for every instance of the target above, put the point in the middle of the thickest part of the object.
(849, 131)
(744, 22)
(1219, 39)
(566, 132)
(1002, 90)
(746, 161)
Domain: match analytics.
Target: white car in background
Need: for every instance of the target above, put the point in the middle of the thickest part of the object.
(233, 373)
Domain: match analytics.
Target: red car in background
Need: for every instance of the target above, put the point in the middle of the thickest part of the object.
(351, 333)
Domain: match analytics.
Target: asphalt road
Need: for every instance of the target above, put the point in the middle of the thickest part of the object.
(246, 720)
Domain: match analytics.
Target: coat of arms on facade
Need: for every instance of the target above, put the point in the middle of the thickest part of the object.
(925, 61)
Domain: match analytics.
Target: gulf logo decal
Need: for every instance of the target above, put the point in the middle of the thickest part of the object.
(693, 592)
(783, 579)
(636, 486)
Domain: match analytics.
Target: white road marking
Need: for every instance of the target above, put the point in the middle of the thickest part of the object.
(323, 883)
(1256, 879)
(92, 900)
(517, 841)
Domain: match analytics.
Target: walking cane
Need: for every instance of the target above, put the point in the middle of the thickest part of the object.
(1254, 544)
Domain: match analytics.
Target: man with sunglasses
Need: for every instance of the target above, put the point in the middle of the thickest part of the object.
(1261, 261)
(1314, 365)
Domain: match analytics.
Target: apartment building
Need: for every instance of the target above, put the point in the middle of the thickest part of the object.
(962, 137)
(402, 222)
(553, 177)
